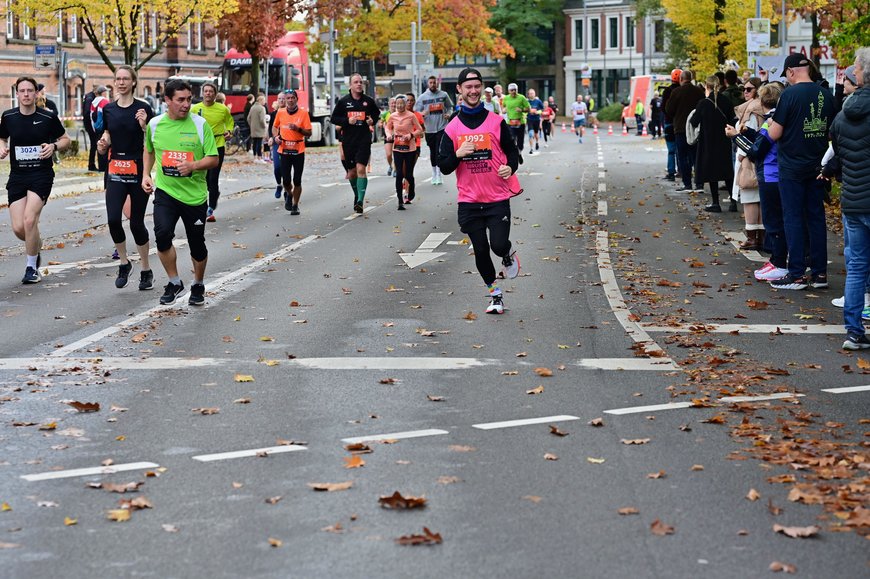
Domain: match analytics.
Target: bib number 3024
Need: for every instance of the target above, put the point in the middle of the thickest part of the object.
(28, 156)
(170, 160)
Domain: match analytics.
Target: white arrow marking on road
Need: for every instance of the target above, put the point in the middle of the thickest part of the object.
(89, 471)
(248, 453)
(394, 436)
(847, 389)
(524, 422)
(426, 251)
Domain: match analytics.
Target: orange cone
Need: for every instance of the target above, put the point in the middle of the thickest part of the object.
(610, 130)
(564, 128)
(624, 130)
(644, 133)
(594, 129)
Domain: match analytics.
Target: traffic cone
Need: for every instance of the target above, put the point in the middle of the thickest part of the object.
(624, 130)
(610, 130)
(644, 133)
(594, 129)
(564, 128)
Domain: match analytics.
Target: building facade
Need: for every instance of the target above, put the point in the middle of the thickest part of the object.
(195, 52)
(605, 45)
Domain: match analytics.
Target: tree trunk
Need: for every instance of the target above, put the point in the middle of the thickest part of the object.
(719, 19)
(815, 47)
(255, 75)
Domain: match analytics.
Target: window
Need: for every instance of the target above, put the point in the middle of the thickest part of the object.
(152, 38)
(77, 99)
(221, 46)
(15, 27)
(194, 36)
(67, 28)
(659, 36)
(594, 34)
(613, 40)
(629, 31)
(578, 33)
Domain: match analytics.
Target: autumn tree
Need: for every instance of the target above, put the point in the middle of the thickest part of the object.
(521, 22)
(255, 28)
(845, 24)
(126, 24)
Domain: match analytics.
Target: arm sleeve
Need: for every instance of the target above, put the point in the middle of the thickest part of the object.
(509, 146)
(272, 118)
(338, 118)
(447, 160)
(230, 123)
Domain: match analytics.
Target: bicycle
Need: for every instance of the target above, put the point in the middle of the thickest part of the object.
(239, 141)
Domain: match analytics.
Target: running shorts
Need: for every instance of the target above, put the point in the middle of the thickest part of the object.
(19, 184)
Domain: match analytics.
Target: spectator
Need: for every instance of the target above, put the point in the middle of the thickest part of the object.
(656, 116)
(257, 122)
(49, 104)
(733, 88)
(711, 116)
(749, 115)
(850, 137)
(682, 102)
(89, 128)
(638, 116)
(670, 140)
(800, 127)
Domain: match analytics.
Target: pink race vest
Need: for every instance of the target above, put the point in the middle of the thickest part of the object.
(477, 175)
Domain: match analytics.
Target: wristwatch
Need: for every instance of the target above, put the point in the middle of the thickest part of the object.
(55, 146)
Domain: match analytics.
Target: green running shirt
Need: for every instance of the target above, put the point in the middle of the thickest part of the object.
(175, 140)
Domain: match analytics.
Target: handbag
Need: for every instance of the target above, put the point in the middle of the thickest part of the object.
(747, 178)
(692, 133)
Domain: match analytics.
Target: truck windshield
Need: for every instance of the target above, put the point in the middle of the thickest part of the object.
(237, 79)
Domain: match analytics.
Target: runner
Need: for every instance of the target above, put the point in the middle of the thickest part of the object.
(124, 124)
(388, 141)
(490, 104)
(579, 110)
(547, 117)
(482, 151)
(355, 114)
(292, 125)
(280, 103)
(536, 106)
(436, 107)
(412, 100)
(30, 137)
(404, 129)
(182, 149)
(515, 106)
(220, 119)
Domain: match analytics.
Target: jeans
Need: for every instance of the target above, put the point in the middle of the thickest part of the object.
(857, 227)
(803, 214)
(672, 153)
(276, 161)
(684, 159)
(847, 251)
(638, 119)
(774, 230)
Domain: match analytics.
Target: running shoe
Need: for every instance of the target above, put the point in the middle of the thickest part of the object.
(790, 282)
(197, 295)
(401, 206)
(288, 203)
(839, 302)
(123, 275)
(210, 215)
(31, 275)
(684, 189)
(170, 292)
(521, 155)
(496, 306)
(770, 273)
(146, 280)
(358, 207)
(294, 210)
(511, 265)
(713, 208)
(278, 191)
(855, 342)
(865, 314)
(537, 147)
(819, 280)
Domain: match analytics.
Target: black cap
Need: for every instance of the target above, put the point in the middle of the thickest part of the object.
(469, 74)
(39, 87)
(794, 60)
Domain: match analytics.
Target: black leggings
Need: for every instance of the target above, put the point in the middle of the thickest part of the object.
(167, 211)
(714, 189)
(116, 196)
(475, 220)
(212, 179)
(404, 162)
(291, 170)
(433, 141)
(518, 132)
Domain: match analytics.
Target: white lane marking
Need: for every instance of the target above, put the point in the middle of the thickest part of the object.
(433, 240)
(602, 187)
(654, 364)
(524, 422)
(600, 165)
(676, 405)
(214, 286)
(602, 206)
(847, 389)
(95, 206)
(418, 258)
(328, 185)
(156, 363)
(248, 453)
(99, 470)
(614, 295)
(832, 329)
(602, 175)
(89, 263)
(397, 363)
(395, 435)
(735, 238)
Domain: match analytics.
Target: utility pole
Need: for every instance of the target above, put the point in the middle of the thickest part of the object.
(330, 77)
(414, 57)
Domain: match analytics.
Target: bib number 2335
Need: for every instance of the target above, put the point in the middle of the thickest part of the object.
(170, 160)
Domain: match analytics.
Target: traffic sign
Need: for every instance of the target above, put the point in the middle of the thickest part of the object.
(400, 52)
(45, 56)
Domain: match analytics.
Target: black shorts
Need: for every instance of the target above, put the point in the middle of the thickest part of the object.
(534, 125)
(291, 169)
(475, 216)
(167, 211)
(357, 153)
(20, 183)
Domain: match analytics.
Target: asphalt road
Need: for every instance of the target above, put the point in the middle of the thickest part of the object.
(326, 330)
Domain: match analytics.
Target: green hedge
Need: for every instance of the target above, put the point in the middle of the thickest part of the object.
(611, 113)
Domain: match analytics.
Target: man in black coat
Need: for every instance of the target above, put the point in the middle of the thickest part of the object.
(89, 128)
(682, 101)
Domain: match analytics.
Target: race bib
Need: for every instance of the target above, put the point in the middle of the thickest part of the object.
(171, 159)
(533, 111)
(436, 108)
(356, 117)
(482, 146)
(28, 156)
(291, 147)
(123, 171)
(402, 148)
(515, 122)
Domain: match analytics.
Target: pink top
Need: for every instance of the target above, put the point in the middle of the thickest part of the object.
(401, 126)
(477, 175)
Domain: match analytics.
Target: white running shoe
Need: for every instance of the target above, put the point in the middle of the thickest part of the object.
(839, 302)
(496, 306)
(511, 265)
(771, 274)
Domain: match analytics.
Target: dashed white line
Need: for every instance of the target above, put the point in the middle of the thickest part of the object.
(156, 363)
(655, 364)
(394, 435)
(248, 453)
(386, 363)
(847, 389)
(602, 187)
(524, 422)
(99, 470)
(701, 328)
(723, 400)
(602, 207)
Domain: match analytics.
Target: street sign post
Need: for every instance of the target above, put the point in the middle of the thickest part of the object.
(45, 56)
(402, 53)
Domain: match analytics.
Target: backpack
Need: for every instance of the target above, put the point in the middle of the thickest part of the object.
(97, 113)
(692, 133)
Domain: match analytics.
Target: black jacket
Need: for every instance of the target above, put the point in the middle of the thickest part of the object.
(850, 136)
(681, 102)
(86, 111)
(714, 147)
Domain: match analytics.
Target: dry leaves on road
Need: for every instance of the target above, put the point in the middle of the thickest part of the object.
(550, 456)
(470, 316)
(354, 461)
(796, 532)
(397, 501)
(661, 529)
(243, 378)
(118, 515)
(433, 398)
(538, 390)
(628, 511)
(206, 411)
(596, 422)
(555, 430)
(659, 474)
(461, 448)
(275, 542)
(776, 567)
(543, 372)
(85, 406)
(752, 495)
(427, 538)
(274, 500)
(331, 487)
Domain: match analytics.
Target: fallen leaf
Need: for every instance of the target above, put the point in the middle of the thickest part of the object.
(461, 448)
(243, 378)
(756, 305)
(237, 485)
(628, 511)
(595, 460)
(776, 567)
(274, 500)
(555, 430)
(537, 390)
(331, 487)
(862, 363)
(388, 381)
(718, 419)
(471, 316)
(267, 339)
(752, 495)
(69, 522)
(336, 528)
(139, 338)
(397, 501)
(634, 440)
(550, 456)
(596, 422)
(522, 355)
(427, 538)
(118, 515)
(85, 406)
(532, 498)
(354, 461)
(275, 542)
(48, 426)
(796, 532)
(130, 487)
(543, 372)
(432, 398)
(772, 508)
(697, 467)
(661, 529)
(659, 474)
(448, 480)
(242, 401)
(205, 411)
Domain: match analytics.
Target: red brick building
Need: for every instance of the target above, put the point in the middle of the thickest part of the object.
(196, 51)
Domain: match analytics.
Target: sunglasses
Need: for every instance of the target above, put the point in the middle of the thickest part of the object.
(748, 88)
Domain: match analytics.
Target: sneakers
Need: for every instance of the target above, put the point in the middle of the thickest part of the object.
(358, 207)
(496, 306)
(819, 280)
(123, 275)
(684, 189)
(790, 282)
(865, 314)
(294, 210)
(278, 190)
(210, 216)
(288, 202)
(31, 275)
(511, 265)
(197, 295)
(841, 301)
(537, 147)
(146, 280)
(521, 155)
(401, 206)
(770, 272)
(713, 208)
(170, 292)
(854, 342)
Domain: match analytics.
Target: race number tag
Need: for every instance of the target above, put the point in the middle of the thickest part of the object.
(291, 147)
(436, 108)
(533, 111)
(123, 171)
(356, 117)
(28, 156)
(171, 159)
(515, 122)
(402, 147)
(482, 146)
